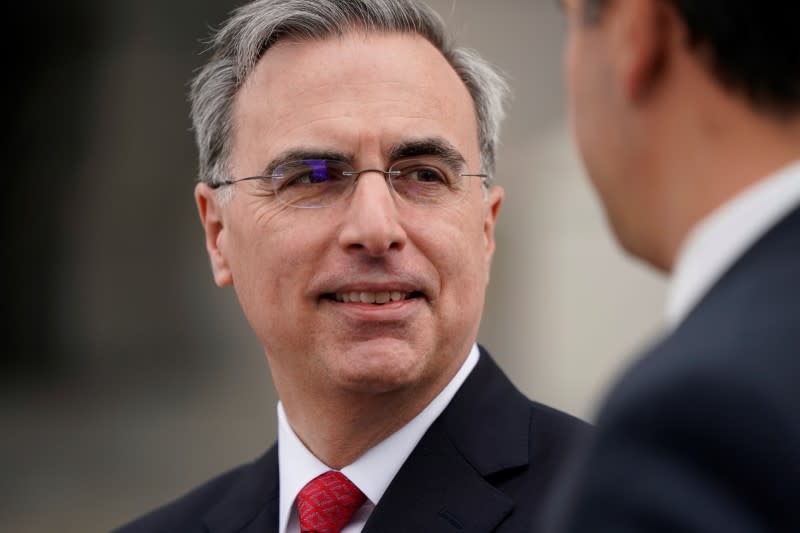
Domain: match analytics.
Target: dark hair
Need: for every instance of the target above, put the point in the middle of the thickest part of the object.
(750, 45)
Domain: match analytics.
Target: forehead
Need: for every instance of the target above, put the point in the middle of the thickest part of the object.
(352, 93)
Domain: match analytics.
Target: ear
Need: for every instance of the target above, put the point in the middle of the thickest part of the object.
(641, 31)
(211, 217)
(491, 211)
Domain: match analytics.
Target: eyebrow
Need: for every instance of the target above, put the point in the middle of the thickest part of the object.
(429, 146)
(301, 154)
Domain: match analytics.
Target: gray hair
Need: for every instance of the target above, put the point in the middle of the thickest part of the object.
(253, 28)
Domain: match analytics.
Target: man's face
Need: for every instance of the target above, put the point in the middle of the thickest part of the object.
(356, 98)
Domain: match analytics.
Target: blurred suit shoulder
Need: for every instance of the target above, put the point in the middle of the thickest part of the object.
(703, 432)
(250, 488)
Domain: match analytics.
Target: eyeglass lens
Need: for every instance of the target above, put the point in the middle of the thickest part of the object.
(320, 182)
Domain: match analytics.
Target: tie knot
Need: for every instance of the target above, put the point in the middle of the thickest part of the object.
(327, 503)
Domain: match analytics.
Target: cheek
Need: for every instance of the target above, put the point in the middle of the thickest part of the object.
(570, 69)
(256, 275)
(269, 262)
(460, 256)
(577, 89)
(579, 114)
(586, 109)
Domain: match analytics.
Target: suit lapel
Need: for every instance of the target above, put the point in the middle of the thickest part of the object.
(443, 485)
(251, 505)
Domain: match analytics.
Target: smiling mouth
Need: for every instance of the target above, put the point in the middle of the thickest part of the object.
(376, 298)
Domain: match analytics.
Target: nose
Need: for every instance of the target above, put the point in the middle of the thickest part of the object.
(371, 221)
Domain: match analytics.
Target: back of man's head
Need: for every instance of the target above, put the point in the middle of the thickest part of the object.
(679, 105)
(749, 45)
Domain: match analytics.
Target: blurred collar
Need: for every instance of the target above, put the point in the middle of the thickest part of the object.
(717, 241)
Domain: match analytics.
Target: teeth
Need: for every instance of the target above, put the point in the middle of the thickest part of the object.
(368, 297)
(371, 297)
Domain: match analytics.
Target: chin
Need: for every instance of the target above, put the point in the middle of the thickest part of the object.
(379, 369)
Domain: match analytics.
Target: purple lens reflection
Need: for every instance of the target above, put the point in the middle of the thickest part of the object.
(319, 169)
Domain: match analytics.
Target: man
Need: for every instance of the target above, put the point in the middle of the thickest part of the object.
(687, 116)
(345, 154)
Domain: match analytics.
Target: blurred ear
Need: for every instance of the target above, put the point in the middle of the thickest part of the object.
(641, 33)
(491, 211)
(213, 224)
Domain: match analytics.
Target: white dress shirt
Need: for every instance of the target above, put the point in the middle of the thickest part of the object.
(372, 472)
(716, 242)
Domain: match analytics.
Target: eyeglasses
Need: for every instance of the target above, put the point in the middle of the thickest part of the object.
(313, 183)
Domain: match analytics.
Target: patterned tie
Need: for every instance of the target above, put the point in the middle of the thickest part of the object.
(327, 503)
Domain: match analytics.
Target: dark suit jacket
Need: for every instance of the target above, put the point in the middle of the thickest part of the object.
(484, 465)
(703, 434)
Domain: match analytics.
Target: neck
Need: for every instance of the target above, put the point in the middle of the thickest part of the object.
(740, 158)
(705, 150)
(338, 426)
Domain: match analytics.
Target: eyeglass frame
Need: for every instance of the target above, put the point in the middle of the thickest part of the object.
(486, 180)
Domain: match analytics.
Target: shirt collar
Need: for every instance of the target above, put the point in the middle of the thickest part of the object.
(374, 470)
(717, 241)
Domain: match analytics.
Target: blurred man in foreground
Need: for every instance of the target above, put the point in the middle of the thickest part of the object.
(346, 152)
(687, 116)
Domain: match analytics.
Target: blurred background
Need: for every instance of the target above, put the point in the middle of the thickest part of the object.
(128, 377)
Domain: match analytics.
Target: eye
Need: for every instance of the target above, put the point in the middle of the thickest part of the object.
(308, 177)
(423, 173)
(308, 173)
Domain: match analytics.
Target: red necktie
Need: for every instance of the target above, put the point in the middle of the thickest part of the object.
(327, 503)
